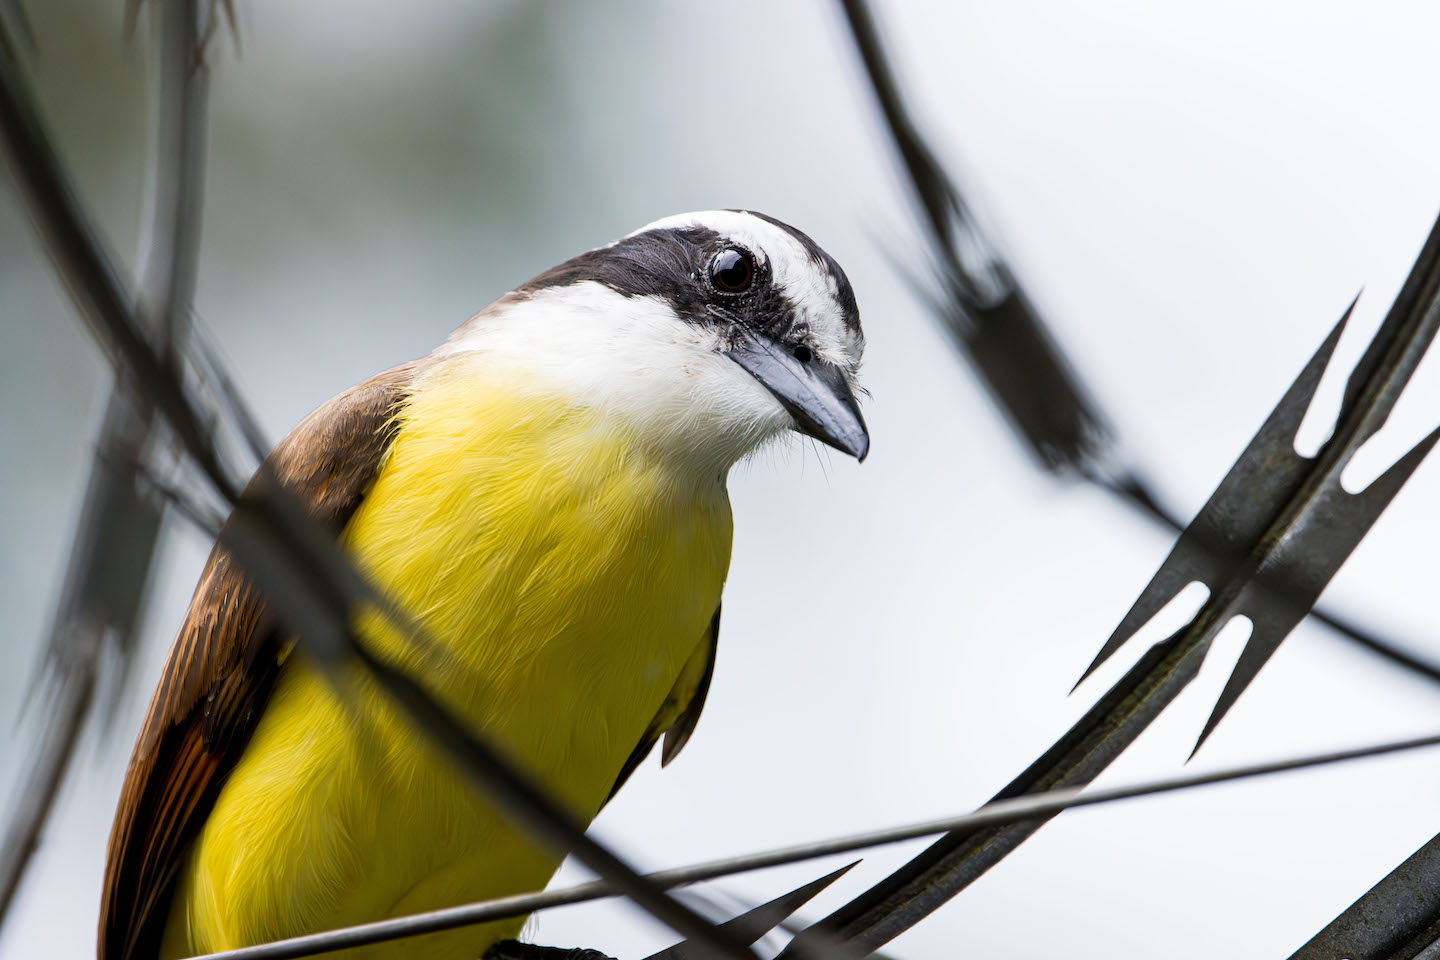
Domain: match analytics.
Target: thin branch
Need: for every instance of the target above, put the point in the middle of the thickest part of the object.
(1285, 524)
(986, 311)
(758, 922)
(720, 902)
(1137, 493)
(993, 814)
(108, 573)
(15, 23)
(191, 508)
(1035, 399)
(213, 370)
(1397, 919)
(83, 264)
(544, 818)
(41, 783)
(308, 580)
(1033, 383)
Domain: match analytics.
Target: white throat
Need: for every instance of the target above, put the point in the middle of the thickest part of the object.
(633, 359)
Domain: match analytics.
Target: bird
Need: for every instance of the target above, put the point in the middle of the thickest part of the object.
(545, 493)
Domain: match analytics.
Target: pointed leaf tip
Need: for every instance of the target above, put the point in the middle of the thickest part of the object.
(755, 923)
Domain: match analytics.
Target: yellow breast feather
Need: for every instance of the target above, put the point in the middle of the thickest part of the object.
(568, 574)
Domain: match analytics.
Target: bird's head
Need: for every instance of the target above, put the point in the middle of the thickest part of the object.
(722, 329)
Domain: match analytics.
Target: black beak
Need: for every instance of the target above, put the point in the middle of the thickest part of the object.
(813, 391)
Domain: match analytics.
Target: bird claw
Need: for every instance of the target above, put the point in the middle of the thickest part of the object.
(515, 950)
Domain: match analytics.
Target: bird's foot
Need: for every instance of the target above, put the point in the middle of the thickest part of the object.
(515, 950)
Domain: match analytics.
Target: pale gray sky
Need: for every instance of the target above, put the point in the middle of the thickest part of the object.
(1193, 193)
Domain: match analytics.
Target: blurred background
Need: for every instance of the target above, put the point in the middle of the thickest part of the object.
(1192, 193)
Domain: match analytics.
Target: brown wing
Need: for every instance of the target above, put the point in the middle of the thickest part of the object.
(680, 711)
(221, 671)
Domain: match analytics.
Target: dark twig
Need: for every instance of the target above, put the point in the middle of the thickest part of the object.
(719, 902)
(751, 926)
(231, 400)
(759, 921)
(304, 575)
(1023, 385)
(1144, 498)
(208, 13)
(36, 793)
(15, 22)
(1268, 541)
(1005, 339)
(544, 818)
(200, 515)
(985, 308)
(1016, 810)
(87, 270)
(1397, 919)
(110, 562)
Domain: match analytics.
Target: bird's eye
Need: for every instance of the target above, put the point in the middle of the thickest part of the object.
(803, 353)
(732, 270)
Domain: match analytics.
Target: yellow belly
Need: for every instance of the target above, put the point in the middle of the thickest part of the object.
(567, 572)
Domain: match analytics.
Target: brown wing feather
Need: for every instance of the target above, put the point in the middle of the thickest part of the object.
(676, 727)
(221, 671)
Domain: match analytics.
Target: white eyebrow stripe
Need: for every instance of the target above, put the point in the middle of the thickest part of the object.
(805, 281)
(796, 273)
(776, 247)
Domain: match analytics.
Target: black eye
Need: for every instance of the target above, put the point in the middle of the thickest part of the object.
(803, 353)
(732, 270)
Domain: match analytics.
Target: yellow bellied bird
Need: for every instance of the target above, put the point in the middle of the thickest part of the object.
(546, 493)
